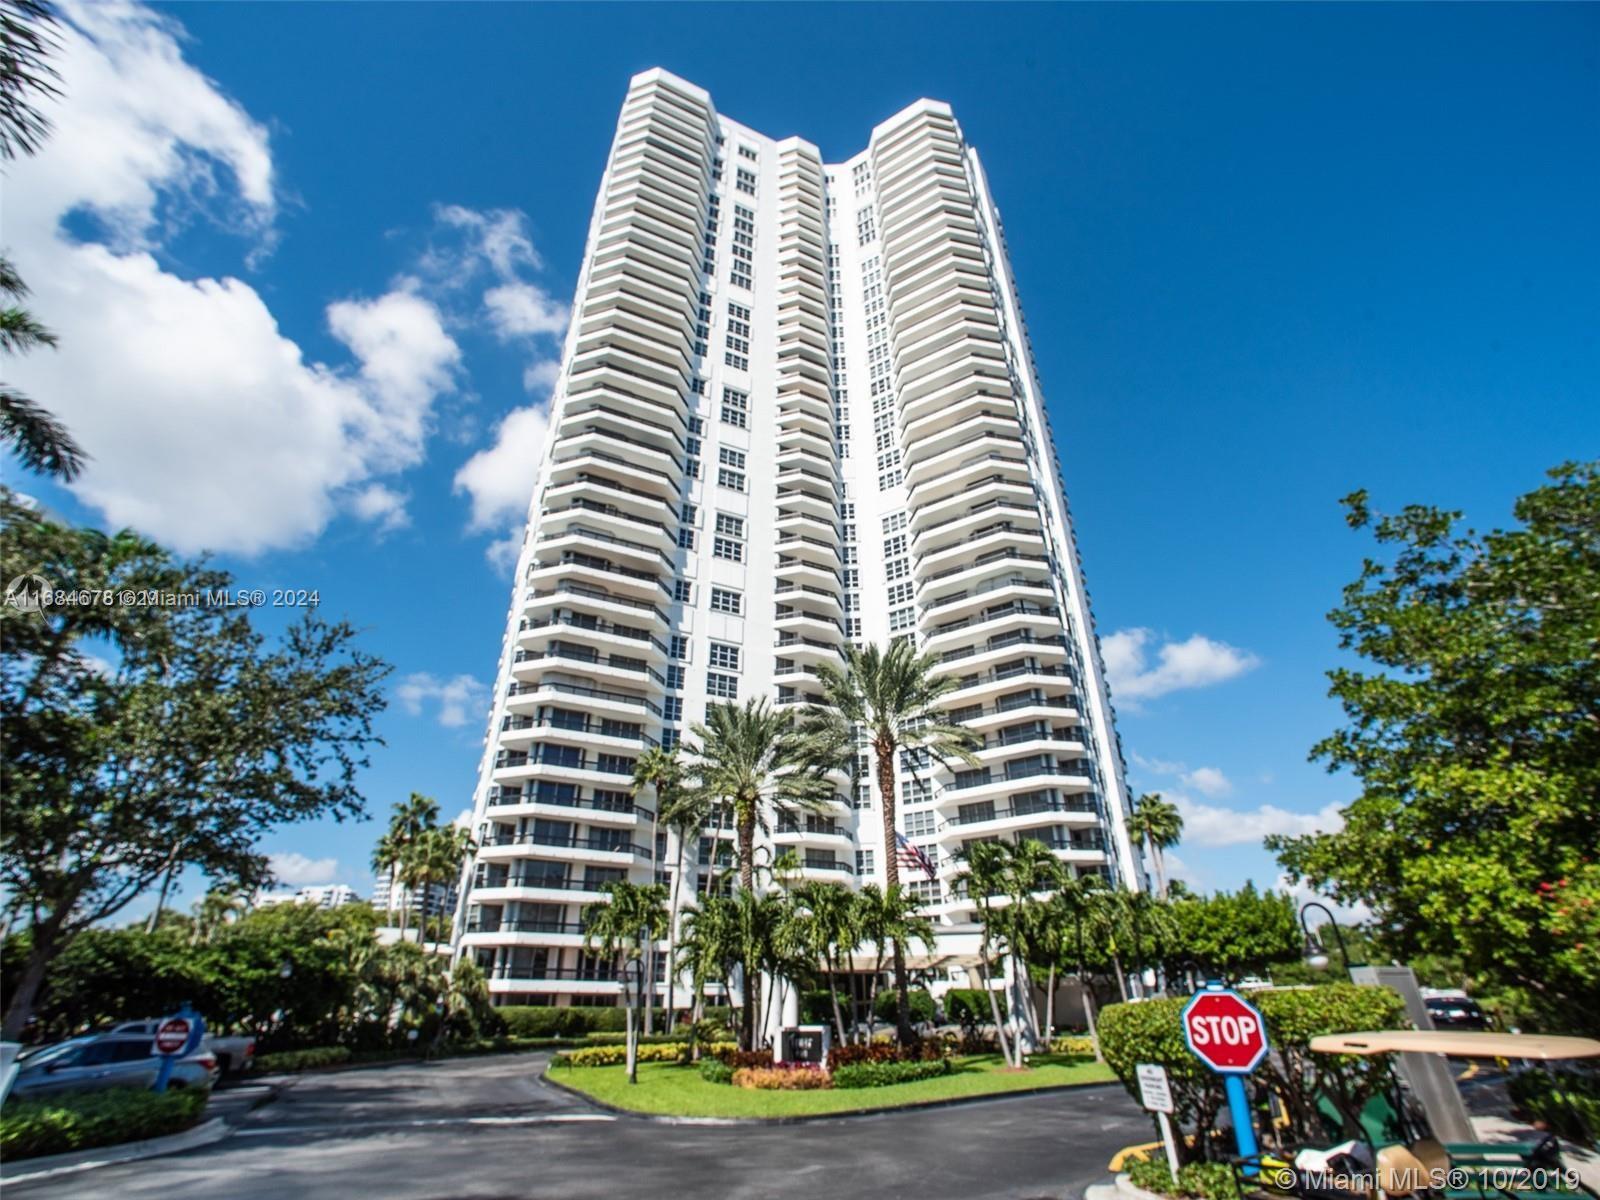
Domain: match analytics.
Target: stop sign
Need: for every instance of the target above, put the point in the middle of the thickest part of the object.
(172, 1035)
(1225, 1032)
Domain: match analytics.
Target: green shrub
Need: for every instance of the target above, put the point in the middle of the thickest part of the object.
(289, 1061)
(531, 1020)
(1566, 1100)
(887, 1005)
(1196, 1181)
(817, 1009)
(738, 1059)
(714, 1070)
(882, 1074)
(610, 1056)
(29, 1128)
(969, 1007)
(782, 1079)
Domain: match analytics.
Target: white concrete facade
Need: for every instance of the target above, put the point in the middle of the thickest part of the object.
(797, 408)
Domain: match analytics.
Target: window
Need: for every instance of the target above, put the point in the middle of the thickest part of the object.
(724, 687)
(731, 458)
(693, 444)
(696, 425)
(674, 676)
(852, 627)
(689, 513)
(895, 546)
(727, 548)
(920, 823)
(735, 407)
(685, 537)
(731, 525)
(732, 480)
(683, 591)
(672, 708)
(747, 152)
(692, 468)
(726, 600)
(900, 593)
(901, 619)
(898, 569)
(680, 645)
(915, 791)
(864, 861)
(745, 181)
(725, 656)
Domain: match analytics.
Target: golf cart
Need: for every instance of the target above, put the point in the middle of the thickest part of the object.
(1399, 1157)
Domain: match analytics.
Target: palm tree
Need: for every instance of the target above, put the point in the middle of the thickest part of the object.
(683, 812)
(827, 928)
(983, 875)
(393, 854)
(887, 919)
(217, 909)
(894, 696)
(625, 925)
(434, 858)
(1158, 824)
(1058, 935)
(710, 947)
(1027, 868)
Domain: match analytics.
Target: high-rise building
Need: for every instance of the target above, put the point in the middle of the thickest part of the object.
(390, 895)
(797, 408)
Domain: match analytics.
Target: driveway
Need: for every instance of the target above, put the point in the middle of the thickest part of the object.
(489, 1129)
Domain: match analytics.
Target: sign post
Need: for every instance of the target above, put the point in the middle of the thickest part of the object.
(1229, 1035)
(176, 1037)
(1155, 1093)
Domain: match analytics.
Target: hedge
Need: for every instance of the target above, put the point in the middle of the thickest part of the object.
(1072, 1043)
(288, 1061)
(81, 1121)
(528, 1020)
(782, 1079)
(1567, 1100)
(883, 1074)
(610, 1056)
(1196, 1181)
(1151, 1031)
(887, 1006)
(970, 1006)
(714, 1070)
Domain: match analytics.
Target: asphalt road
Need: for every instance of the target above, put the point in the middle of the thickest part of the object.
(489, 1129)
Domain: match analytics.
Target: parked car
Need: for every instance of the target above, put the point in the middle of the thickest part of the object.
(101, 1061)
(234, 1054)
(1456, 1012)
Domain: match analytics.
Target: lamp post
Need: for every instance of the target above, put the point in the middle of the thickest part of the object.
(1316, 955)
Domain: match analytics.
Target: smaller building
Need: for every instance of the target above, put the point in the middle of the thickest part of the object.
(390, 896)
(325, 895)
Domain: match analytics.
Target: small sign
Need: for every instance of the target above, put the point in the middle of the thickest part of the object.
(172, 1035)
(1155, 1093)
(805, 1044)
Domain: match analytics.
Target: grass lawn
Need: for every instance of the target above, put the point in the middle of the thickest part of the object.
(679, 1091)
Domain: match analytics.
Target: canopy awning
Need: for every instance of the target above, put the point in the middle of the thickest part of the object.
(1462, 1045)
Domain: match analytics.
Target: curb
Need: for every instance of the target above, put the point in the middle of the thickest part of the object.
(49, 1166)
(853, 1114)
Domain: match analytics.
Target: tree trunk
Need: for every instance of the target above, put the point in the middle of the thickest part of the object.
(994, 1010)
(1122, 978)
(747, 882)
(1088, 1012)
(161, 897)
(833, 997)
(872, 999)
(1161, 869)
(884, 752)
(42, 951)
(1050, 1007)
(672, 940)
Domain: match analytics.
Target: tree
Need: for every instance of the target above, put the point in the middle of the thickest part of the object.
(886, 918)
(195, 740)
(828, 929)
(894, 695)
(683, 812)
(710, 946)
(1058, 943)
(40, 442)
(435, 858)
(1475, 738)
(396, 851)
(1233, 934)
(1157, 823)
(755, 760)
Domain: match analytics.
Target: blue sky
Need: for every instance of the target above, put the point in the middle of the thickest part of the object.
(309, 264)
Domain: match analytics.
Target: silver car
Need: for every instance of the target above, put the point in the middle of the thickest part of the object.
(107, 1060)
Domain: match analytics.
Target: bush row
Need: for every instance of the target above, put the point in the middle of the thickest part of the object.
(1196, 1181)
(610, 1056)
(877, 1052)
(29, 1128)
(1072, 1043)
(782, 1079)
(524, 1020)
(883, 1074)
(714, 1070)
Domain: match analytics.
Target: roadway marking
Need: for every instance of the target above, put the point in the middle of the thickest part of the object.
(428, 1122)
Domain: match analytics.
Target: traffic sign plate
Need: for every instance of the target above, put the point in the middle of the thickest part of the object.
(172, 1035)
(1155, 1092)
(1225, 1031)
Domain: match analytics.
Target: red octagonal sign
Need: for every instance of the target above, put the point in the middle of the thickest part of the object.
(172, 1035)
(1225, 1032)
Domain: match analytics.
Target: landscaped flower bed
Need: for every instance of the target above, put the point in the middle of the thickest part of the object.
(782, 1079)
(29, 1128)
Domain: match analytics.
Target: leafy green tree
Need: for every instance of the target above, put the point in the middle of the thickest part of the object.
(194, 740)
(1233, 934)
(437, 857)
(895, 696)
(886, 918)
(1474, 732)
(1158, 824)
(396, 851)
(827, 931)
(40, 441)
(709, 946)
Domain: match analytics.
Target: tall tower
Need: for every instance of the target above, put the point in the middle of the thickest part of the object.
(797, 408)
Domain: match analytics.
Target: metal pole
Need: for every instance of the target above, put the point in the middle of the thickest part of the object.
(1338, 934)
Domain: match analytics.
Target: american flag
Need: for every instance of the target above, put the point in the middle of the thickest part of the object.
(912, 858)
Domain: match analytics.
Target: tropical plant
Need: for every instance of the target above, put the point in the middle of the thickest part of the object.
(683, 811)
(1472, 727)
(102, 799)
(828, 929)
(395, 853)
(710, 946)
(894, 696)
(1158, 825)
(40, 441)
(436, 857)
(884, 919)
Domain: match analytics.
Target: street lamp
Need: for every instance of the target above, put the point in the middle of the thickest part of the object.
(1316, 955)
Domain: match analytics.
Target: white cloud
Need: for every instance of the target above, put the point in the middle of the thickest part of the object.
(381, 505)
(1216, 825)
(206, 427)
(500, 480)
(297, 870)
(540, 377)
(1209, 781)
(1194, 663)
(519, 310)
(453, 697)
(1345, 914)
(496, 237)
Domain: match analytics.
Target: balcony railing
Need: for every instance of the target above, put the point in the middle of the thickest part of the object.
(1021, 638)
(538, 974)
(983, 560)
(532, 837)
(509, 796)
(519, 688)
(979, 814)
(990, 585)
(1017, 608)
(593, 657)
(524, 925)
(610, 628)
